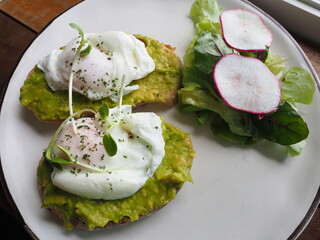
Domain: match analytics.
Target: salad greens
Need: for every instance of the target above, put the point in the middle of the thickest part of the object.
(284, 126)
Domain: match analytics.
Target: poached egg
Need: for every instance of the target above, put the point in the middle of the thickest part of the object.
(140, 151)
(99, 74)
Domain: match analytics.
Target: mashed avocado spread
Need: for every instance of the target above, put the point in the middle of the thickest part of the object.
(170, 176)
(159, 86)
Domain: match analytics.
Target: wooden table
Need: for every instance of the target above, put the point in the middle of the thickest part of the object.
(20, 23)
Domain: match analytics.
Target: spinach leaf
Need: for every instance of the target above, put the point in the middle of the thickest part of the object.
(285, 126)
(262, 55)
(220, 128)
(195, 79)
(208, 49)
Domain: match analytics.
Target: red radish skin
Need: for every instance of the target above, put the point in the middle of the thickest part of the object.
(244, 30)
(246, 84)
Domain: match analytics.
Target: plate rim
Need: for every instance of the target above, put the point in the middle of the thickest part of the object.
(316, 201)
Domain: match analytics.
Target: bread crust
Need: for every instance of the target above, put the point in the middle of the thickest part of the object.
(78, 224)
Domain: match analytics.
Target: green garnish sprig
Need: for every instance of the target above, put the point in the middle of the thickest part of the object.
(109, 143)
(57, 161)
(79, 53)
(83, 41)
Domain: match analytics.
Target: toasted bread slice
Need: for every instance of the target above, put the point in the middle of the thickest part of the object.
(161, 188)
(160, 86)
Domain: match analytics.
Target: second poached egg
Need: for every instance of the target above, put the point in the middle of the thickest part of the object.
(140, 151)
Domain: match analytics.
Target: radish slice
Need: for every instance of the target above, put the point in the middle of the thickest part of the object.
(244, 30)
(246, 84)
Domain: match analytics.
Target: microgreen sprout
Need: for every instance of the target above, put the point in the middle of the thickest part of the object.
(57, 162)
(109, 143)
(104, 112)
(79, 53)
(73, 161)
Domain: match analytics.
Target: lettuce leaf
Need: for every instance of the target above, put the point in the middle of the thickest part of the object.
(239, 122)
(276, 64)
(205, 10)
(205, 15)
(298, 86)
(295, 149)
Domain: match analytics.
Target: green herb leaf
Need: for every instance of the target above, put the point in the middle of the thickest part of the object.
(110, 145)
(61, 161)
(104, 111)
(57, 162)
(86, 51)
(67, 153)
(78, 28)
(49, 152)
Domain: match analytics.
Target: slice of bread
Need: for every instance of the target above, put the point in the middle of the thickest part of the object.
(160, 86)
(76, 223)
(159, 190)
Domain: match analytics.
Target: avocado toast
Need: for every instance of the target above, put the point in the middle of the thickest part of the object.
(84, 213)
(160, 86)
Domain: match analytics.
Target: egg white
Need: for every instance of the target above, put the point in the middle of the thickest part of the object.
(140, 151)
(99, 74)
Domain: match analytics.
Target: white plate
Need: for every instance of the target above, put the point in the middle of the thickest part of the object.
(238, 193)
(304, 25)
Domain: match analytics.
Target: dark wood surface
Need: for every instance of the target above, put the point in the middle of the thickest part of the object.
(20, 23)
